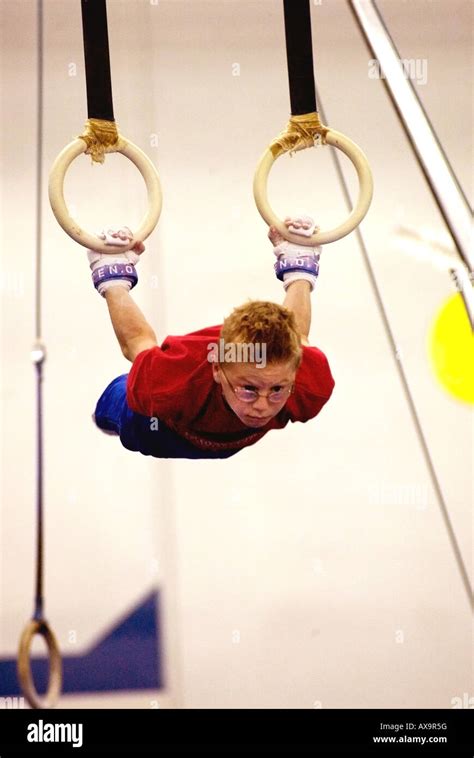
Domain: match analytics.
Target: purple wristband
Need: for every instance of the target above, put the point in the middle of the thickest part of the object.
(306, 263)
(110, 271)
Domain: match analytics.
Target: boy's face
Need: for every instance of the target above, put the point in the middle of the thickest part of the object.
(273, 377)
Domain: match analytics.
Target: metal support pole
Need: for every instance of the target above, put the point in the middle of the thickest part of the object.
(430, 155)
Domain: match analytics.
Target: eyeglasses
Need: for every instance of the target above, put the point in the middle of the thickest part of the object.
(249, 396)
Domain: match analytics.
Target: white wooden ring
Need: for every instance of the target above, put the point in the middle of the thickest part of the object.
(361, 164)
(49, 700)
(71, 227)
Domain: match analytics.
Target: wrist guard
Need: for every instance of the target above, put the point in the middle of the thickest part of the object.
(122, 274)
(296, 262)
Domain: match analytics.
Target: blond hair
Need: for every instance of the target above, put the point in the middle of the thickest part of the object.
(267, 323)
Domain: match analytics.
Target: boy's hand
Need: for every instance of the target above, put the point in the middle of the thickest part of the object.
(303, 225)
(115, 269)
(121, 237)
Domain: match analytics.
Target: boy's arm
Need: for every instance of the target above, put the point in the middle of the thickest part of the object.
(300, 285)
(132, 330)
(114, 276)
(298, 300)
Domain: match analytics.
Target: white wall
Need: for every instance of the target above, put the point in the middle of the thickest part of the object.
(313, 569)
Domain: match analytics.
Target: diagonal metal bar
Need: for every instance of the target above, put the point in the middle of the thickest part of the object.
(431, 157)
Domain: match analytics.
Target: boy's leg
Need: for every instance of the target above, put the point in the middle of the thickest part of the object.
(110, 406)
(149, 436)
(298, 300)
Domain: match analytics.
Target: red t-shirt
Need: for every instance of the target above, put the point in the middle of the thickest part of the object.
(174, 383)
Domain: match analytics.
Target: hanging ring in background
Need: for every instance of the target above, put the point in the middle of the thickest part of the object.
(49, 700)
(361, 164)
(59, 207)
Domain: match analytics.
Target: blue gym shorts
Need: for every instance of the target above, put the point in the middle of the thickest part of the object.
(139, 433)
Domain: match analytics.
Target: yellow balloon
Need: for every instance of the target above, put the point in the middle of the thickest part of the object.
(451, 345)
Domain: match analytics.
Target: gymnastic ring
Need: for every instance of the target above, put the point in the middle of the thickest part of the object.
(59, 207)
(49, 700)
(361, 164)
